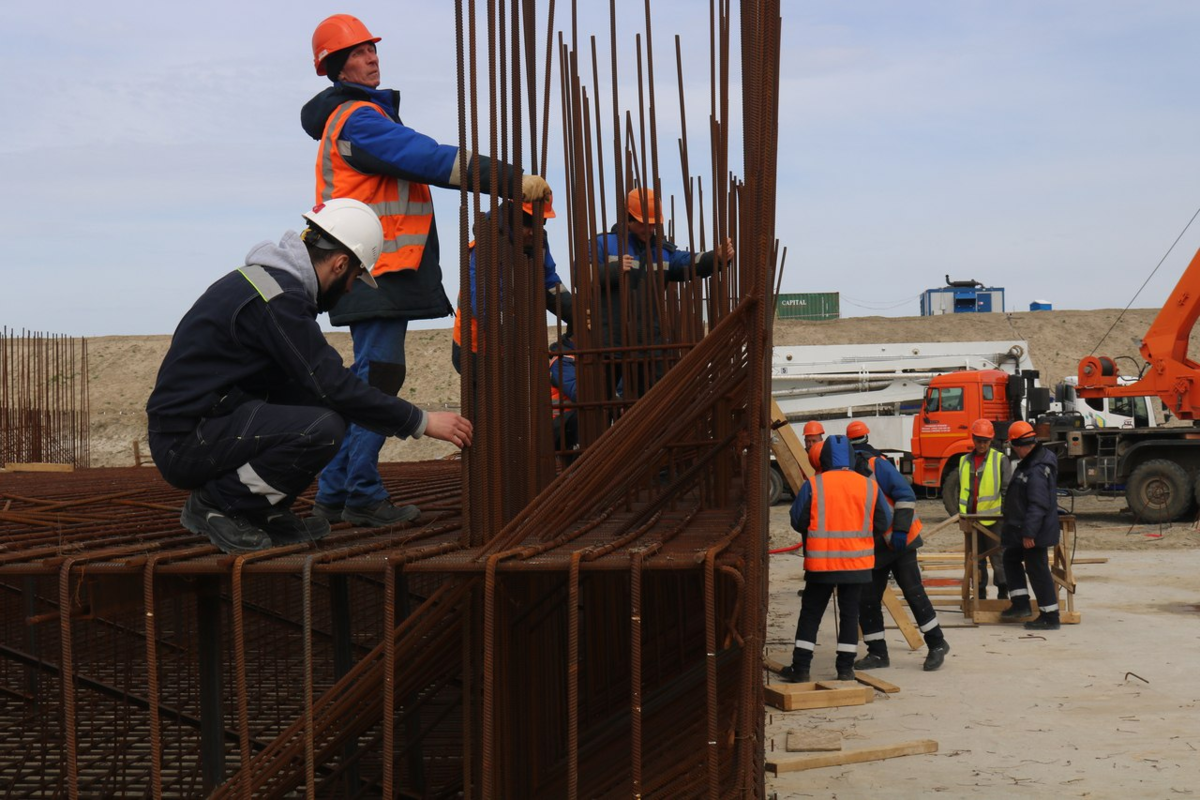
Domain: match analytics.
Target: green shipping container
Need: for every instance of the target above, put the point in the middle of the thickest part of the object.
(812, 306)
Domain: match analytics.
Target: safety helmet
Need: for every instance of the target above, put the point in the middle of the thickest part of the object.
(547, 207)
(857, 430)
(814, 455)
(337, 33)
(633, 203)
(813, 428)
(1019, 431)
(983, 429)
(352, 224)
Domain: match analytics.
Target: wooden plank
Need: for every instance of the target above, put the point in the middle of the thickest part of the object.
(797, 696)
(772, 664)
(870, 696)
(875, 683)
(38, 467)
(789, 451)
(918, 747)
(811, 741)
(993, 617)
(906, 626)
(1089, 561)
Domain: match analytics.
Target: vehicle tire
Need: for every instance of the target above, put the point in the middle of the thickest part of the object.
(950, 489)
(1159, 491)
(775, 492)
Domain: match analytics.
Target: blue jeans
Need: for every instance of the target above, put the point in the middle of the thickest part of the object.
(352, 477)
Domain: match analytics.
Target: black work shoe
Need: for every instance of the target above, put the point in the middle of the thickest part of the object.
(936, 655)
(1002, 592)
(793, 675)
(1016, 613)
(328, 513)
(284, 527)
(231, 533)
(845, 673)
(873, 661)
(379, 515)
(1046, 622)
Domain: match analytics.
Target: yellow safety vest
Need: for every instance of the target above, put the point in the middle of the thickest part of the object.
(988, 499)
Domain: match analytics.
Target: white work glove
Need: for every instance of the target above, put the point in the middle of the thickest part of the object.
(534, 188)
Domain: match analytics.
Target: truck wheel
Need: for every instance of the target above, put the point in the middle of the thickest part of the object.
(775, 492)
(950, 489)
(1159, 491)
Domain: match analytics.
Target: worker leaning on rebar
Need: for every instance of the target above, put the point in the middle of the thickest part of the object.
(251, 401)
(368, 154)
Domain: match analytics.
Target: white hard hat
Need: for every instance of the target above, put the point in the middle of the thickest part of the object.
(352, 224)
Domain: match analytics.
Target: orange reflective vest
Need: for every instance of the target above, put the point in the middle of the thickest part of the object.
(914, 530)
(839, 536)
(405, 208)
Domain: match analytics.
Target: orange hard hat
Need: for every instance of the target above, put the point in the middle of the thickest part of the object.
(814, 455)
(857, 429)
(633, 202)
(983, 429)
(547, 207)
(337, 33)
(1020, 430)
(813, 428)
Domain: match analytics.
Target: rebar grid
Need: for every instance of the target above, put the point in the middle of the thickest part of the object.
(539, 632)
(43, 399)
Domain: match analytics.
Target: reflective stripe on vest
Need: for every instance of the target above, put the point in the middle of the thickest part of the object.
(989, 500)
(914, 529)
(405, 208)
(267, 287)
(839, 535)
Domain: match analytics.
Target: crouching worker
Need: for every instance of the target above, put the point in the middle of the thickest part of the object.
(251, 401)
(837, 513)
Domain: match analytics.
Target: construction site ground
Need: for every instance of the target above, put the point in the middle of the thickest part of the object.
(1106, 708)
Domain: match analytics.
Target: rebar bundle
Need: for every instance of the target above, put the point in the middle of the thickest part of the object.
(43, 399)
(543, 630)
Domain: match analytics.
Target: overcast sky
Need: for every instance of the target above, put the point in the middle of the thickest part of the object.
(1050, 148)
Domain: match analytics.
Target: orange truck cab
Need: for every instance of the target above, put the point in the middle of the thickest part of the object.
(941, 432)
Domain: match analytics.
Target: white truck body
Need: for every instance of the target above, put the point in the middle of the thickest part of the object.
(1110, 412)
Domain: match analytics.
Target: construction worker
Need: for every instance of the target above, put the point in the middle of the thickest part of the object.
(562, 393)
(367, 153)
(251, 401)
(837, 513)
(983, 475)
(631, 262)
(813, 433)
(558, 298)
(1030, 529)
(895, 557)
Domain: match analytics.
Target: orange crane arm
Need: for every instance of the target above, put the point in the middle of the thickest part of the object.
(1171, 376)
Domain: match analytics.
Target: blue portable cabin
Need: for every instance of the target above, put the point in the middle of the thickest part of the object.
(962, 300)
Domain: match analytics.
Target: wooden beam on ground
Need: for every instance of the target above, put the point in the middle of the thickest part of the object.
(797, 696)
(875, 683)
(914, 748)
(1089, 561)
(906, 626)
(812, 741)
(38, 467)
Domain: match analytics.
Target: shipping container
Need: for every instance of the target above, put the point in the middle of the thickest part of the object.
(811, 306)
(961, 300)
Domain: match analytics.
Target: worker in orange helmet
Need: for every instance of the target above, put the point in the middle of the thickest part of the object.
(813, 433)
(814, 455)
(368, 154)
(983, 475)
(631, 273)
(1030, 529)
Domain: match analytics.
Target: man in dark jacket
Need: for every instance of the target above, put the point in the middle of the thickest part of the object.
(895, 556)
(837, 513)
(1030, 529)
(368, 154)
(251, 401)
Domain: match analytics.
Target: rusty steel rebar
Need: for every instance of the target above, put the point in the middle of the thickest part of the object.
(44, 410)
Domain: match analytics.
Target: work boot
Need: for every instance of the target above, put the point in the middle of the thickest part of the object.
(230, 532)
(380, 514)
(1002, 592)
(936, 655)
(329, 513)
(845, 673)
(873, 660)
(1019, 610)
(1047, 621)
(284, 527)
(793, 674)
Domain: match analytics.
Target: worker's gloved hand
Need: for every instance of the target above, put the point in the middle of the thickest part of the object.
(899, 541)
(534, 188)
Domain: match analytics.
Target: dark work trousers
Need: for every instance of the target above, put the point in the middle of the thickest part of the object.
(908, 577)
(812, 607)
(982, 543)
(1019, 561)
(260, 455)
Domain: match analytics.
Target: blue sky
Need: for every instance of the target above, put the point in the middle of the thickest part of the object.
(1047, 147)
